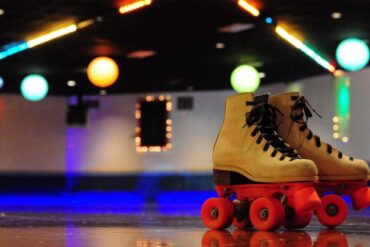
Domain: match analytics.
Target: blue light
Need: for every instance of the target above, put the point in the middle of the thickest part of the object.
(184, 197)
(34, 87)
(1, 82)
(268, 20)
(13, 50)
(353, 54)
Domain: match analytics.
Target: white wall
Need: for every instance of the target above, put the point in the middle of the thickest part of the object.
(33, 136)
(107, 145)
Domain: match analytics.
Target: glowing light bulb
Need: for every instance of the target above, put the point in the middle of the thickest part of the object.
(245, 78)
(34, 87)
(102, 72)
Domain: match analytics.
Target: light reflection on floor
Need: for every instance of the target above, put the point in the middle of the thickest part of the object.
(53, 227)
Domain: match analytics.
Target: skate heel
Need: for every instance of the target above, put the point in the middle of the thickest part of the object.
(221, 177)
(306, 200)
(360, 198)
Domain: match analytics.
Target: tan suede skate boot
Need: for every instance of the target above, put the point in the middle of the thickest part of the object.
(248, 145)
(332, 164)
(270, 183)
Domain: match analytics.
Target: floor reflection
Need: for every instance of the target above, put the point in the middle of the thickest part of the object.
(326, 238)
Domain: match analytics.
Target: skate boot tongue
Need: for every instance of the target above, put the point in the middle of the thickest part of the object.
(263, 116)
(263, 98)
(301, 112)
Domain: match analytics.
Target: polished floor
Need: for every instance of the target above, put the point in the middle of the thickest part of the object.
(156, 226)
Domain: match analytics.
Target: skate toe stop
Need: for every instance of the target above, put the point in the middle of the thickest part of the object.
(306, 200)
(361, 198)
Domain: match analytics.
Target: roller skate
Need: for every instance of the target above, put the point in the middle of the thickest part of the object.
(253, 165)
(339, 174)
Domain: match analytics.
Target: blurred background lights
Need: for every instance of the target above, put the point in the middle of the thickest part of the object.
(34, 87)
(102, 72)
(268, 20)
(245, 78)
(336, 15)
(1, 82)
(352, 54)
(2, 12)
(220, 45)
(71, 83)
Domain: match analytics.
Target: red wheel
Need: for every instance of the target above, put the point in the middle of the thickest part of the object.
(268, 239)
(361, 198)
(266, 213)
(217, 213)
(296, 220)
(217, 238)
(331, 238)
(333, 211)
(242, 237)
(241, 219)
(296, 238)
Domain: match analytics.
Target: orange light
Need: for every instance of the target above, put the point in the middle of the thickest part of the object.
(102, 72)
(126, 8)
(249, 8)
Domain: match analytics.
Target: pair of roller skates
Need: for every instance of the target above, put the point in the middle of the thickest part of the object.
(271, 170)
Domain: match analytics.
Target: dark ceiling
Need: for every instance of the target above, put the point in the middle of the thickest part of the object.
(183, 33)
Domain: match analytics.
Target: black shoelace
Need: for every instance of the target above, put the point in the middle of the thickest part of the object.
(263, 116)
(304, 108)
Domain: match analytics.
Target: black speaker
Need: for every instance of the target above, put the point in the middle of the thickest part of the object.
(185, 103)
(77, 115)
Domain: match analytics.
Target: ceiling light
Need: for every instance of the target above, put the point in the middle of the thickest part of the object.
(268, 20)
(283, 33)
(336, 15)
(140, 54)
(236, 28)
(262, 75)
(52, 35)
(220, 45)
(134, 5)
(34, 87)
(248, 7)
(2, 12)
(71, 83)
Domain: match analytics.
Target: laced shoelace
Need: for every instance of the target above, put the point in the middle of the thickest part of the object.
(304, 108)
(263, 116)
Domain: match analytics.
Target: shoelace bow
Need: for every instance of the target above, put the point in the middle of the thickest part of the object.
(263, 115)
(304, 108)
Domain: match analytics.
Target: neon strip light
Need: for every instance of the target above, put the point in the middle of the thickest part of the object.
(134, 6)
(8, 51)
(248, 7)
(305, 49)
(290, 38)
(52, 35)
(13, 50)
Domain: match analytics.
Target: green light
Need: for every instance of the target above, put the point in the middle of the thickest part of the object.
(34, 87)
(245, 78)
(352, 54)
(343, 101)
(343, 106)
